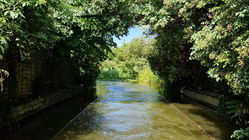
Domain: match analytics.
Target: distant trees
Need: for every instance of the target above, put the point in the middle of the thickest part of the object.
(127, 61)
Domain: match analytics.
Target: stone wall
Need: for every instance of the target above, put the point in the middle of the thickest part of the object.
(211, 101)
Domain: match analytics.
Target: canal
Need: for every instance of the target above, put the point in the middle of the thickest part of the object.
(131, 111)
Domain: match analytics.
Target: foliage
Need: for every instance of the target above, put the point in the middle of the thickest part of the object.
(3, 75)
(77, 31)
(173, 29)
(80, 31)
(127, 61)
(147, 77)
(240, 134)
(213, 32)
(32, 25)
(223, 46)
(109, 75)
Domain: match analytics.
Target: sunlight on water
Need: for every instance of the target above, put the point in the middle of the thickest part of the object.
(132, 111)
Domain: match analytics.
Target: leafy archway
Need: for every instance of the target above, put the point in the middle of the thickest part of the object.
(214, 33)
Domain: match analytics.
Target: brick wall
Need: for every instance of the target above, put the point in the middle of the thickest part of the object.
(26, 73)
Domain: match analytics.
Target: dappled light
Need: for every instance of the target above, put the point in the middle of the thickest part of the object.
(155, 63)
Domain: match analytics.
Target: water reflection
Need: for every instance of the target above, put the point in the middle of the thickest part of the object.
(130, 111)
(44, 125)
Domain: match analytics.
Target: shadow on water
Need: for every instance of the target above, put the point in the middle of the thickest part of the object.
(86, 123)
(122, 111)
(207, 119)
(132, 111)
(45, 124)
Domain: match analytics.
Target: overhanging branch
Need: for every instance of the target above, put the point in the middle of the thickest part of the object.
(138, 17)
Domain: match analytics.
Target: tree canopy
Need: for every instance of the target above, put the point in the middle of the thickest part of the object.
(211, 34)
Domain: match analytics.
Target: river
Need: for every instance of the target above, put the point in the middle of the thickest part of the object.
(129, 111)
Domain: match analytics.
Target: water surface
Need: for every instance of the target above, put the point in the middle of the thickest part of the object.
(130, 111)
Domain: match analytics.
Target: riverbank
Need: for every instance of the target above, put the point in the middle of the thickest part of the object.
(47, 115)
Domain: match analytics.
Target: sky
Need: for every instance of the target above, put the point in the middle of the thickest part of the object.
(134, 32)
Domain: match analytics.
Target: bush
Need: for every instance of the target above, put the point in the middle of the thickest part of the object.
(147, 77)
(109, 75)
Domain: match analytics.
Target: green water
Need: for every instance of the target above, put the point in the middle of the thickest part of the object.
(130, 111)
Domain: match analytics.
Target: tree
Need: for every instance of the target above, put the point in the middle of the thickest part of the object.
(78, 30)
(215, 33)
(128, 60)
